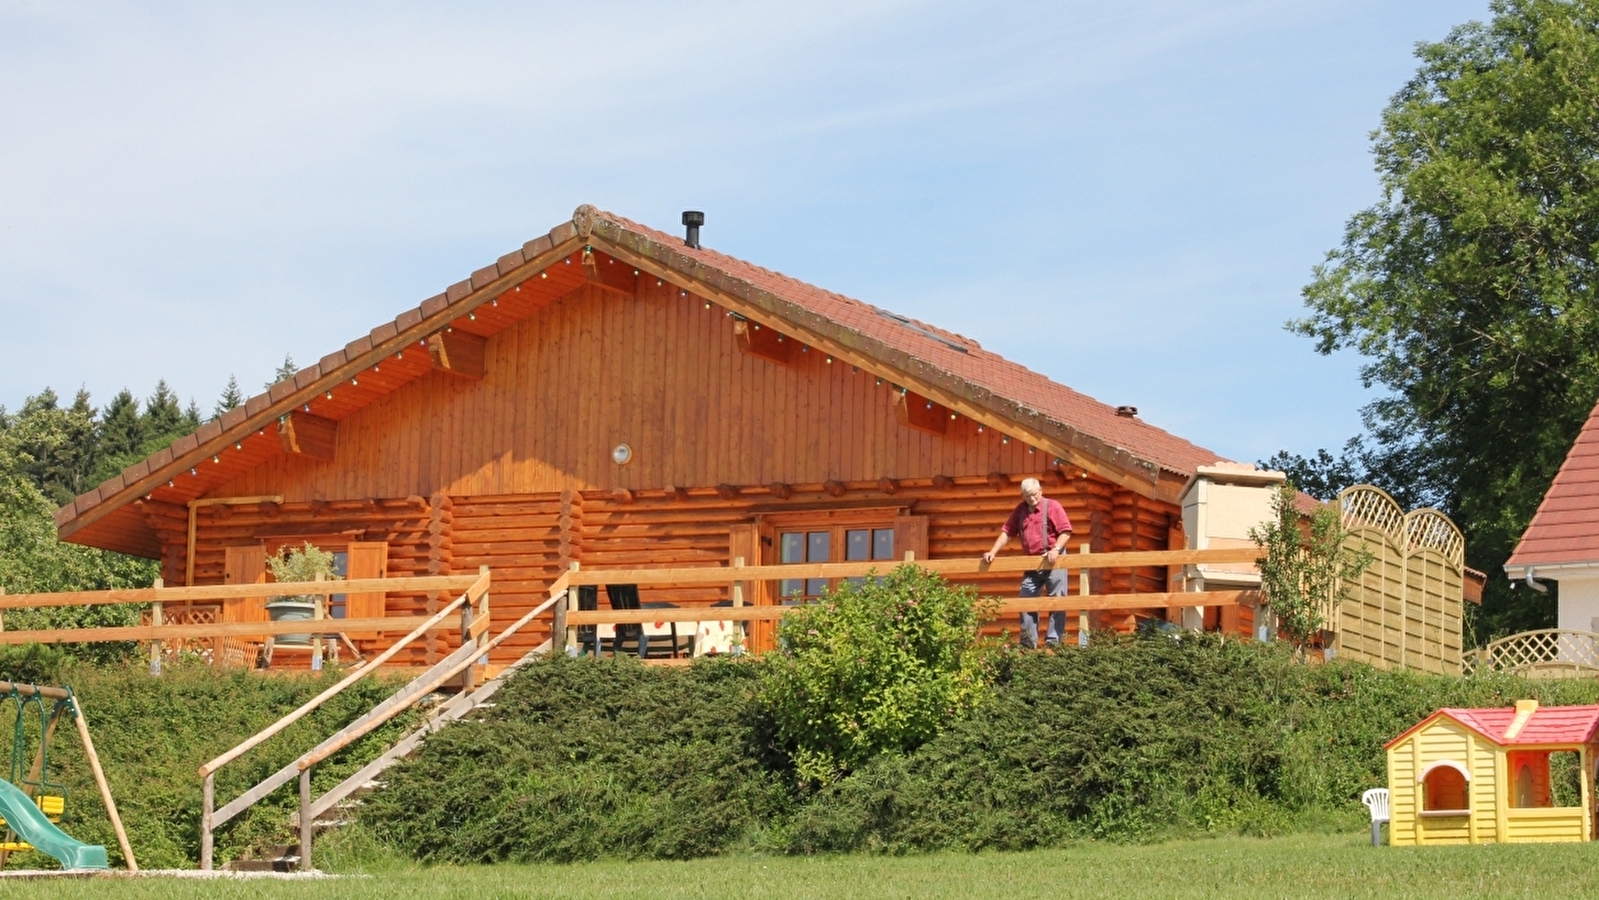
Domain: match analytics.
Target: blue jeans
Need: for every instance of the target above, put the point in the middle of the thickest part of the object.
(1034, 584)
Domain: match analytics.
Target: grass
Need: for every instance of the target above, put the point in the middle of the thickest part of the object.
(1341, 866)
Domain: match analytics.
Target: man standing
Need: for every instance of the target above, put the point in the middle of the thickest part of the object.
(1044, 528)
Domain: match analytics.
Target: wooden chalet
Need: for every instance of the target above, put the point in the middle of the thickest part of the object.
(610, 396)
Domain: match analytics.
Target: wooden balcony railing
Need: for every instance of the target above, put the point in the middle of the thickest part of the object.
(569, 618)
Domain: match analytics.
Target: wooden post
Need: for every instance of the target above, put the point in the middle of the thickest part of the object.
(1083, 589)
(156, 620)
(305, 820)
(558, 644)
(571, 597)
(316, 639)
(105, 789)
(188, 557)
(208, 805)
(738, 586)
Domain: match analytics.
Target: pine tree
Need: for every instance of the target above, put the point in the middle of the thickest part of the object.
(122, 436)
(163, 418)
(287, 370)
(54, 448)
(191, 417)
(121, 431)
(231, 398)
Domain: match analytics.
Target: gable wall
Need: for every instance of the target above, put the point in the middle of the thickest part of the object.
(663, 374)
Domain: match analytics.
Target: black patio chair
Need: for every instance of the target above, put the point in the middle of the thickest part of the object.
(588, 600)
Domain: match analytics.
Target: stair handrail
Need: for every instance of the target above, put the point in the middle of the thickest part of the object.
(208, 771)
(312, 757)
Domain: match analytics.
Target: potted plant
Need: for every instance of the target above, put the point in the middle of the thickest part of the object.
(297, 564)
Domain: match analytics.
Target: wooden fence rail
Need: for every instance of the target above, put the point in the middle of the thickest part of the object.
(962, 566)
(213, 592)
(1007, 606)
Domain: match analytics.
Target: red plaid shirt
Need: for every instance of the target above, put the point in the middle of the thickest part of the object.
(1029, 523)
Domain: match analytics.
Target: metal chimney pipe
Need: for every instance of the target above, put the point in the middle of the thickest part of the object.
(693, 218)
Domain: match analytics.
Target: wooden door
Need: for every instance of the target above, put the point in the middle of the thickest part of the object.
(368, 559)
(245, 565)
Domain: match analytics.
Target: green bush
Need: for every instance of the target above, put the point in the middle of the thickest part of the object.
(1132, 739)
(882, 665)
(582, 759)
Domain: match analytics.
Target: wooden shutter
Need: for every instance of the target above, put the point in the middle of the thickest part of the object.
(744, 540)
(244, 565)
(368, 559)
(910, 533)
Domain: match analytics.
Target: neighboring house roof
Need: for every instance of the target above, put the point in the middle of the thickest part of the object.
(1565, 530)
(1545, 725)
(945, 367)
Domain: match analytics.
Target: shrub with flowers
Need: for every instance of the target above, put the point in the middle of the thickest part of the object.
(880, 665)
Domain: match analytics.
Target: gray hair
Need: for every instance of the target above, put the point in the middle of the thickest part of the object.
(1031, 484)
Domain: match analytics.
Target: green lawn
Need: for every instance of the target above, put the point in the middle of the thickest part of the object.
(1300, 866)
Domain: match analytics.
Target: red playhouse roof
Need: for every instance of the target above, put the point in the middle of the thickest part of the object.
(1546, 724)
(1565, 529)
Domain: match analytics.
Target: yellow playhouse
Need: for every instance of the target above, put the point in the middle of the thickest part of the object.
(1464, 776)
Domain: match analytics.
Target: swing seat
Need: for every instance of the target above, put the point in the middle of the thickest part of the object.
(52, 806)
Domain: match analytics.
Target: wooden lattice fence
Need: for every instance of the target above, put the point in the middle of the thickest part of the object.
(1406, 610)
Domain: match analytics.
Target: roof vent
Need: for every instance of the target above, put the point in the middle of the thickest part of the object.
(1127, 412)
(693, 218)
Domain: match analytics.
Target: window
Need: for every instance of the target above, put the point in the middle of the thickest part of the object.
(1542, 779)
(1443, 789)
(836, 543)
(337, 607)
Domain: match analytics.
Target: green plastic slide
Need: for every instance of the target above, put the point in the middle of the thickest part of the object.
(24, 817)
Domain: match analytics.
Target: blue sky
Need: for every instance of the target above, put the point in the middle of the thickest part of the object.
(1127, 197)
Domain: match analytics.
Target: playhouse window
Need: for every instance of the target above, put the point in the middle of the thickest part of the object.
(1544, 779)
(1444, 789)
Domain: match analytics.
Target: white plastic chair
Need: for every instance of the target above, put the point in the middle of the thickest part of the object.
(1376, 800)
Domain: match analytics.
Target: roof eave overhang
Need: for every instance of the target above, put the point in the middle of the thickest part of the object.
(1552, 571)
(872, 355)
(434, 314)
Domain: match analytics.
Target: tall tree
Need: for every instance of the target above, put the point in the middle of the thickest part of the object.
(121, 431)
(53, 447)
(1470, 286)
(287, 370)
(163, 417)
(231, 398)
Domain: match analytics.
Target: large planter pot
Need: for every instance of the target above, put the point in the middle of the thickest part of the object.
(292, 609)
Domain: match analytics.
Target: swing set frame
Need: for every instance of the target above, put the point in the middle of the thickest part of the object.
(66, 704)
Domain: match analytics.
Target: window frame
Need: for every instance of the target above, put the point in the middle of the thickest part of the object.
(837, 523)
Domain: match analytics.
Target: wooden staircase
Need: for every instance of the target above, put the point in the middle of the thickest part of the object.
(456, 670)
(453, 709)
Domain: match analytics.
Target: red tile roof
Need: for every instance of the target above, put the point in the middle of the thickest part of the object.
(1547, 725)
(1566, 527)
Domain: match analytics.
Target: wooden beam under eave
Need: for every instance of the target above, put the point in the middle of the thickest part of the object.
(611, 275)
(302, 434)
(763, 343)
(915, 411)
(459, 353)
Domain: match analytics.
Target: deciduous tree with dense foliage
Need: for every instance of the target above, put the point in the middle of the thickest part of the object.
(1471, 285)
